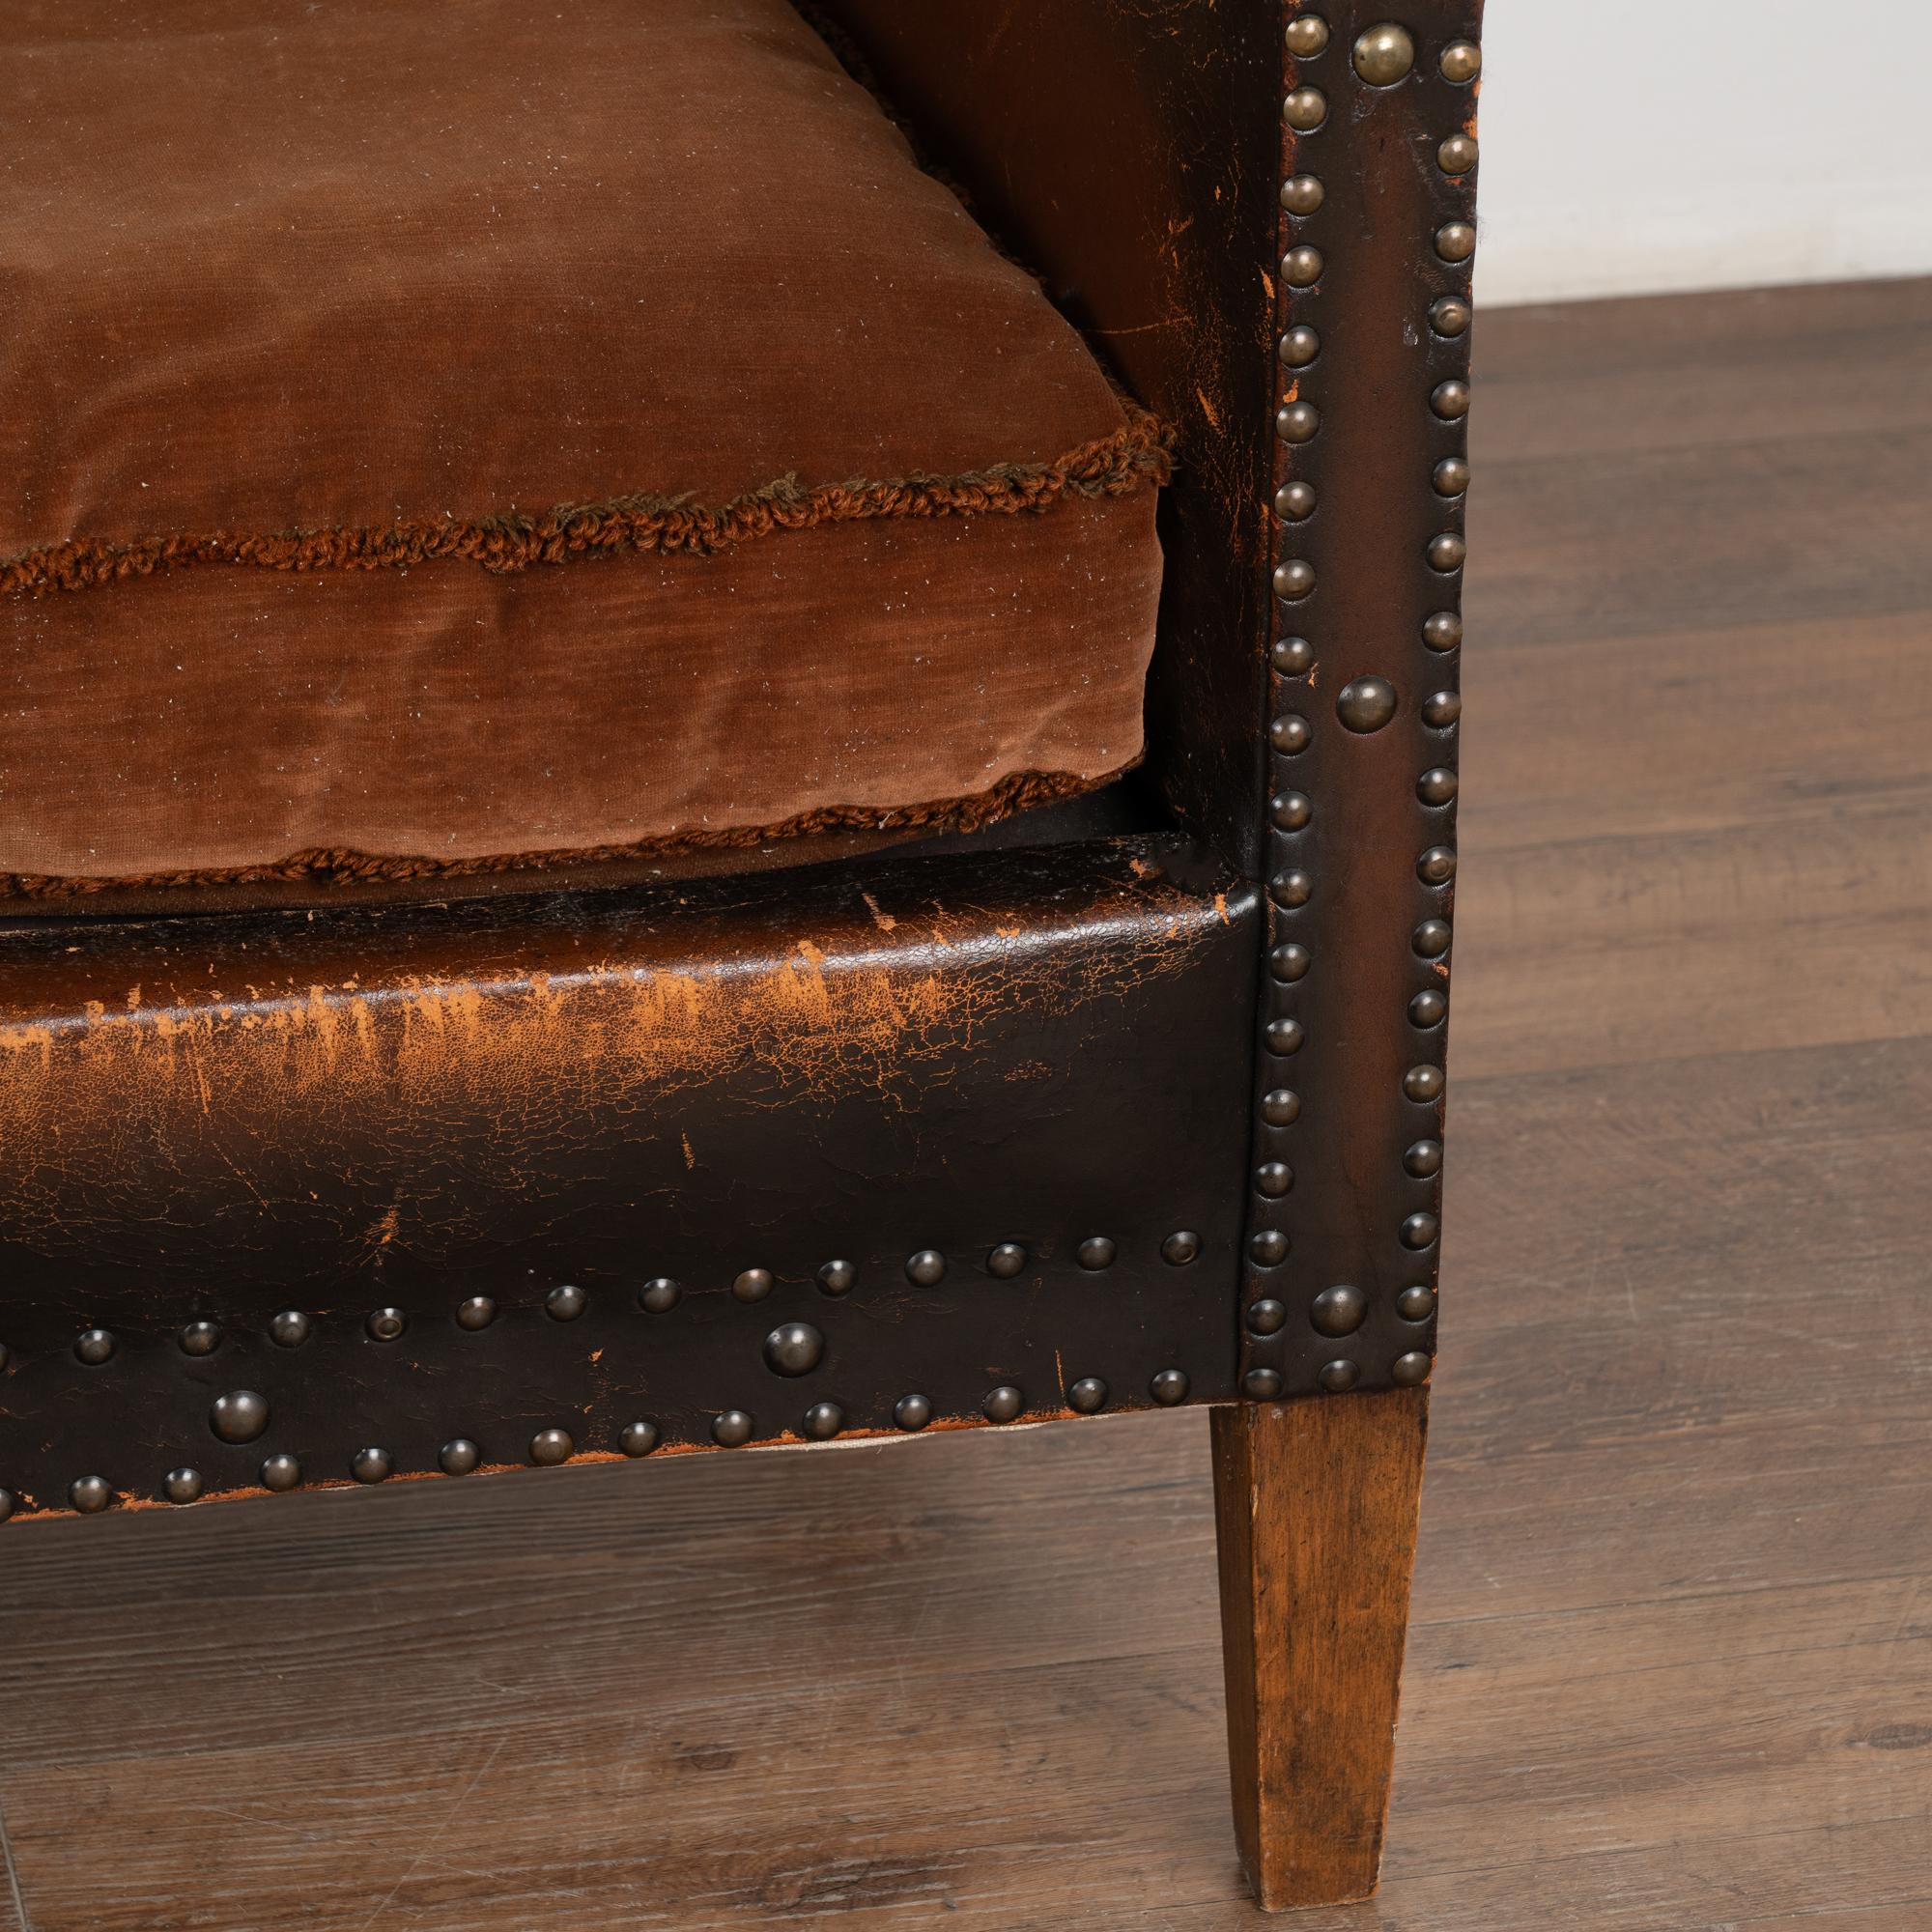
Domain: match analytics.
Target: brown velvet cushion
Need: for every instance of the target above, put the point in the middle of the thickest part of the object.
(321, 320)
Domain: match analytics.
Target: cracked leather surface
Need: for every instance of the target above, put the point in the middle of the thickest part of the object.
(218, 1118)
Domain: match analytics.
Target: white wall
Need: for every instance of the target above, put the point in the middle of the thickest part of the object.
(1702, 144)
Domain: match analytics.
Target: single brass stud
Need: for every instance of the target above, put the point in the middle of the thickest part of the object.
(1423, 1160)
(1339, 1311)
(1423, 1085)
(1302, 194)
(1384, 54)
(1301, 268)
(1087, 1395)
(551, 1446)
(1442, 630)
(1293, 502)
(239, 1416)
(1305, 109)
(1294, 578)
(1450, 476)
(823, 1420)
(1462, 61)
(1297, 422)
(1288, 733)
(1299, 347)
(1366, 705)
(1449, 315)
(1290, 890)
(1457, 155)
(1447, 552)
(1307, 36)
(1291, 657)
(1003, 1403)
(1410, 1369)
(794, 1349)
(1456, 241)
(1450, 400)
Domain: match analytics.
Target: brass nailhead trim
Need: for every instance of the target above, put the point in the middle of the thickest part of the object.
(794, 1349)
(1384, 56)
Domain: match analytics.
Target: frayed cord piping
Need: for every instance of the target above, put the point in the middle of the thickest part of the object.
(1135, 456)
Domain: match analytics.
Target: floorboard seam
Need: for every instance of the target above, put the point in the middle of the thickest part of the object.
(1637, 1849)
(1610, 1606)
(1870, 1043)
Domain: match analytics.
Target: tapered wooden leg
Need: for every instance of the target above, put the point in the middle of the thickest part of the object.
(1316, 1505)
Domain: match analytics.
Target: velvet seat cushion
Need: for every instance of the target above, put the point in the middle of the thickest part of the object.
(438, 438)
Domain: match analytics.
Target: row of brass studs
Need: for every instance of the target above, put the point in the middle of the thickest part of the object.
(793, 1349)
(1449, 316)
(1289, 810)
(927, 1268)
(242, 1415)
(1383, 56)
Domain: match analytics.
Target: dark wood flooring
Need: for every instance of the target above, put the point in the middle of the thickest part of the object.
(1671, 1663)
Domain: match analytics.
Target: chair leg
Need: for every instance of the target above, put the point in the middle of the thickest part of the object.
(1315, 1502)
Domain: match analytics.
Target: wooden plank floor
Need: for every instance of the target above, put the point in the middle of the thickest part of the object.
(1672, 1658)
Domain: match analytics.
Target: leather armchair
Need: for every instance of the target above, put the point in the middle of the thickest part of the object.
(1130, 1100)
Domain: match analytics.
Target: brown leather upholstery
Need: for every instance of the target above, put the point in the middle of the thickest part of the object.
(320, 321)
